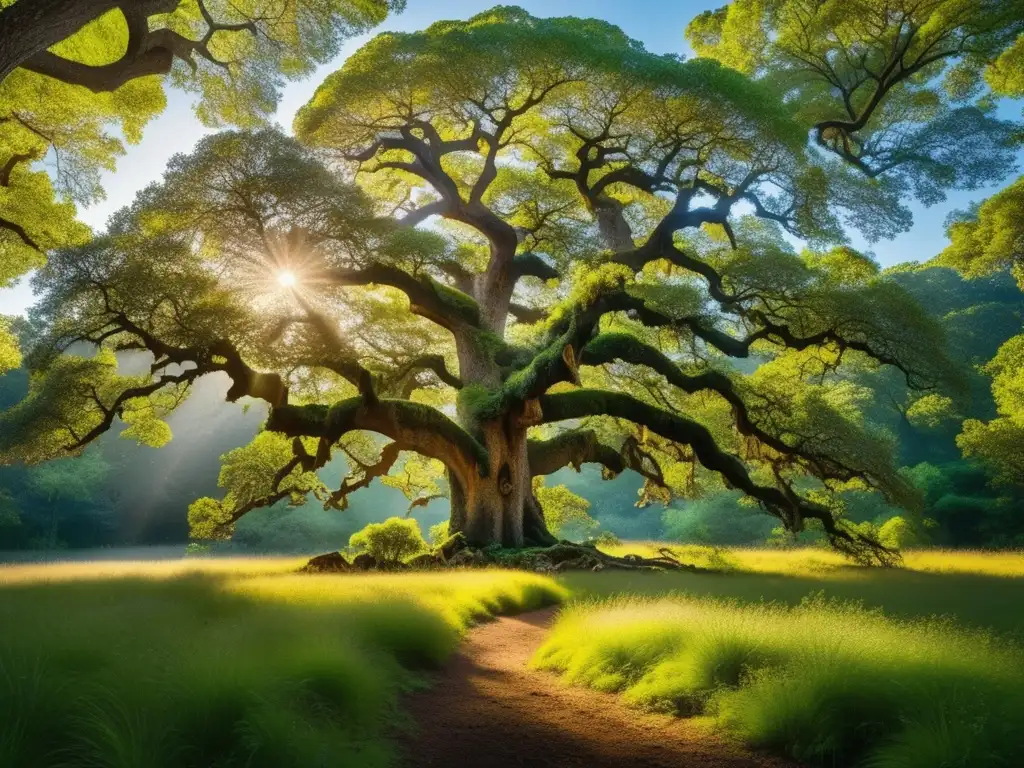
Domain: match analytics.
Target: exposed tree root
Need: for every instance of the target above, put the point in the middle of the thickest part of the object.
(561, 557)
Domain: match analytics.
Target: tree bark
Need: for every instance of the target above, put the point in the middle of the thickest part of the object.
(500, 508)
(30, 27)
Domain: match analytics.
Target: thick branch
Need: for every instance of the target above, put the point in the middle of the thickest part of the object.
(789, 508)
(30, 26)
(582, 446)
(609, 347)
(19, 230)
(148, 52)
(388, 456)
(434, 363)
(779, 333)
(417, 427)
(445, 306)
(13, 162)
(525, 314)
(532, 265)
(116, 408)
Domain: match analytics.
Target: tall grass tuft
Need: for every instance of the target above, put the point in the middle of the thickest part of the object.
(828, 683)
(237, 666)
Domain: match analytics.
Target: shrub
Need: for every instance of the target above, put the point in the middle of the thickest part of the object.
(391, 541)
(900, 533)
(438, 534)
(566, 514)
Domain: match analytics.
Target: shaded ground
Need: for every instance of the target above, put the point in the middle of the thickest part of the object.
(488, 710)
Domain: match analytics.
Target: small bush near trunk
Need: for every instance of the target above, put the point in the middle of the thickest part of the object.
(391, 541)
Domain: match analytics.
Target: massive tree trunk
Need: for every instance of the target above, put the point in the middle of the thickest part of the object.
(500, 508)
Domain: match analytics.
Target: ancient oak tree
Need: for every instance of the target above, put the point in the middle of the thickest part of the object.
(497, 248)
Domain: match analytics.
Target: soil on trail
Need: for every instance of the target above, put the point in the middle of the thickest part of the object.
(488, 710)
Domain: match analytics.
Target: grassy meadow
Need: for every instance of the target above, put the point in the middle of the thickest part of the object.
(244, 662)
(826, 682)
(217, 664)
(800, 653)
(979, 589)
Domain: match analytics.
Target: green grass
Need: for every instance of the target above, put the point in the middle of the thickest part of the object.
(225, 663)
(805, 561)
(242, 662)
(984, 590)
(828, 682)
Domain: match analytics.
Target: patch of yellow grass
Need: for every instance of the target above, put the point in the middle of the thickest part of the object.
(813, 561)
(150, 569)
(461, 597)
(1009, 563)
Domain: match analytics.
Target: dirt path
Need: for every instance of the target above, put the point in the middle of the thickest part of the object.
(488, 710)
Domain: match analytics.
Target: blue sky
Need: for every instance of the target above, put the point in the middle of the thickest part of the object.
(657, 23)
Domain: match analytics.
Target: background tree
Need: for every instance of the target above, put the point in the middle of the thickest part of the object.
(80, 77)
(589, 233)
(901, 90)
(984, 240)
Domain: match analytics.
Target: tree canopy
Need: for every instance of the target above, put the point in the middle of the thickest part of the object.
(900, 89)
(504, 245)
(984, 240)
(79, 79)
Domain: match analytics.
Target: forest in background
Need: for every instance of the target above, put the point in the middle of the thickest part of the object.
(123, 494)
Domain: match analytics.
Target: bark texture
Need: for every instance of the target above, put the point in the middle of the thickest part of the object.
(501, 507)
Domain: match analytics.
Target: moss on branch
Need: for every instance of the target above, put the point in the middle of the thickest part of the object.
(789, 508)
(461, 305)
(526, 383)
(425, 429)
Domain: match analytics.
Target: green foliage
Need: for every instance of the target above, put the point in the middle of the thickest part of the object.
(987, 240)
(418, 478)
(250, 476)
(1000, 442)
(71, 479)
(398, 72)
(923, 126)
(67, 400)
(391, 541)
(438, 534)
(825, 682)
(10, 354)
(930, 410)
(238, 75)
(717, 519)
(565, 513)
(967, 508)
(899, 533)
